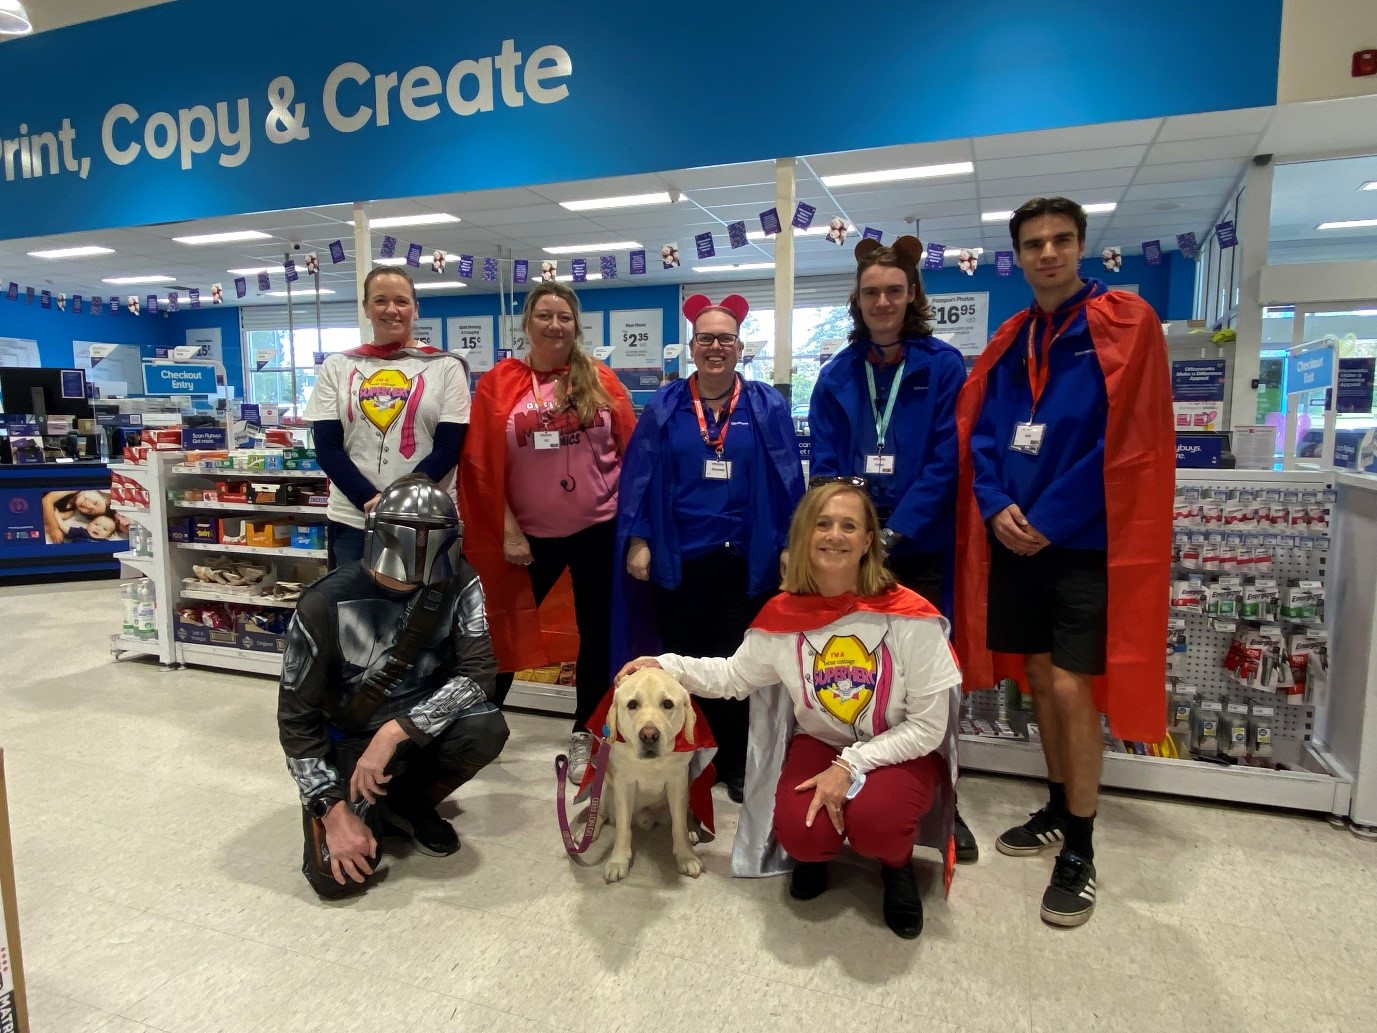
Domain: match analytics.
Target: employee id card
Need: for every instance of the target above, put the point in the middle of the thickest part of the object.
(546, 440)
(717, 469)
(880, 464)
(1028, 438)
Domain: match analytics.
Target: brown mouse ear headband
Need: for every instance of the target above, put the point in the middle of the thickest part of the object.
(908, 249)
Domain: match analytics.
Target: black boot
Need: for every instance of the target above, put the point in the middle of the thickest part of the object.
(903, 909)
(808, 880)
(967, 850)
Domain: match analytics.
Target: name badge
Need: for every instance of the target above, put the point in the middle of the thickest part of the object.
(1028, 438)
(879, 464)
(717, 469)
(545, 440)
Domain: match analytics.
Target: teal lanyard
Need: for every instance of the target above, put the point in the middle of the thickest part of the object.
(882, 422)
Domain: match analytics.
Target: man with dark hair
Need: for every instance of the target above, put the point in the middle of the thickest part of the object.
(1064, 526)
(384, 706)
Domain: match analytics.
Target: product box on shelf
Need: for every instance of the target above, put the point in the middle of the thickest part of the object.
(319, 497)
(308, 536)
(180, 529)
(232, 531)
(231, 491)
(268, 534)
(205, 529)
(263, 632)
(163, 439)
(198, 633)
(300, 459)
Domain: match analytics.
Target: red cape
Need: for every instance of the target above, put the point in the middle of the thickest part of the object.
(700, 789)
(789, 614)
(513, 620)
(377, 351)
(1139, 483)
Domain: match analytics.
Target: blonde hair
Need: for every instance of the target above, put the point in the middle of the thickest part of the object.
(584, 388)
(873, 577)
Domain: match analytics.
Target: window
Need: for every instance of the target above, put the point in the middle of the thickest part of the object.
(270, 354)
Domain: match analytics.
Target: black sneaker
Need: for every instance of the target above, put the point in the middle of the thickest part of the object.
(736, 789)
(430, 832)
(808, 880)
(1042, 830)
(1070, 897)
(967, 850)
(903, 908)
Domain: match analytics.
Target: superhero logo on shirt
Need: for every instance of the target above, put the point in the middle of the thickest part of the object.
(846, 676)
(383, 397)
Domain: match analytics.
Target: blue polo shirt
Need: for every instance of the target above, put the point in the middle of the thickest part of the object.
(711, 514)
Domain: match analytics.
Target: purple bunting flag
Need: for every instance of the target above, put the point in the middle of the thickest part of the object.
(1004, 263)
(736, 234)
(289, 266)
(521, 269)
(389, 247)
(580, 267)
(1187, 245)
(241, 286)
(336, 252)
(490, 269)
(46, 300)
(195, 295)
(1228, 236)
(637, 263)
(1152, 251)
(174, 303)
(466, 267)
(706, 248)
(413, 255)
(769, 222)
(871, 233)
(803, 215)
(933, 258)
(150, 303)
(608, 267)
(264, 284)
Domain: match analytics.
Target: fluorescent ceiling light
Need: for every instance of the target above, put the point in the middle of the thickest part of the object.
(393, 221)
(570, 277)
(997, 216)
(129, 281)
(400, 260)
(1371, 184)
(852, 179)
(231, 237)
(626, 201)
(811, 231)
(1099, 208)
(742, 268)
(85, 251)
(255, 270)
(14, 20)
(440, 285)
(284, 294)
(574, 249)
(1350, 224)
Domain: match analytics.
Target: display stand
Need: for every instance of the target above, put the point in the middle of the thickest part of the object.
(152, 477)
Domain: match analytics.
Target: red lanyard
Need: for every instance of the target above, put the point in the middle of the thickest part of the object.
(546, 408)
(720, 441)
(1039, 372)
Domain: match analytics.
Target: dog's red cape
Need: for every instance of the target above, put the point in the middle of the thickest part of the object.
(1139, 485)
(513, 619)
(700, 789)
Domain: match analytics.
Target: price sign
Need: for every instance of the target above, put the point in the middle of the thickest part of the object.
(471, 338)
(962, 320)
(593, 325)
(636, 337)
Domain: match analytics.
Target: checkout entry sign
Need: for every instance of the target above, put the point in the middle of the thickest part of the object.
(175, 378)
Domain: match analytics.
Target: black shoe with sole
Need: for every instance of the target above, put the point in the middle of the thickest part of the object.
(1069, 899)
(1042, 831)
(808, 880)
(903, 908)
(430, 832)
(967, 850)
(736, 789)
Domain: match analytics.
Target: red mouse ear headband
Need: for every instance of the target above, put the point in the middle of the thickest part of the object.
(734, 304)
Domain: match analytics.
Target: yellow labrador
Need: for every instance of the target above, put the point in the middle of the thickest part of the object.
(645, 776)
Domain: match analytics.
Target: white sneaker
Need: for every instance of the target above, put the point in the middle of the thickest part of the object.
(580, 752)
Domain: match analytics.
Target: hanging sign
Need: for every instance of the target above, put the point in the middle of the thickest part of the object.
(962, 320)
(1354, 394)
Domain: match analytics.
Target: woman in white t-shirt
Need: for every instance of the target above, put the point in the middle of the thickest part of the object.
(384, 410)
(854, 711)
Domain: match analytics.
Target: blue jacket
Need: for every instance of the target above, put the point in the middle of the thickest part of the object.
(1061, 489)
(646, 499)
(921, 436)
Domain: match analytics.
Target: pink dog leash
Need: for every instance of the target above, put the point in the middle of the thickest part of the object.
(599, 762)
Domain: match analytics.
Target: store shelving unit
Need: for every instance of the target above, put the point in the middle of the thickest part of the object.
(152, 477)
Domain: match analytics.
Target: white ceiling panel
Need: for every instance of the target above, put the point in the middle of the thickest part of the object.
(1331, 125)
(1178, 190)
(902, 157)
(1061, 162)
(1224, 168)
(1057, 141)
(1215, 124)
(1202, 150)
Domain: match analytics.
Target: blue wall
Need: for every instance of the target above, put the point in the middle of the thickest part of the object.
(55, 331)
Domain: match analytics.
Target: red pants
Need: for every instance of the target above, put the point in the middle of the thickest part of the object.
(880, 822)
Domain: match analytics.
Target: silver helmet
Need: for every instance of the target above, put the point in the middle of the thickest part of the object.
(414, 533)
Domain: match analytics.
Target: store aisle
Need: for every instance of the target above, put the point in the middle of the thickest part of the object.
(157, 845)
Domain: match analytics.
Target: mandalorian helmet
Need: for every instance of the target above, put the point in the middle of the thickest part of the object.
(414, 533)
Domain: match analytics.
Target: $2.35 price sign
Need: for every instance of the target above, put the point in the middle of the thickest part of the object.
(636, 337)
(962, 320)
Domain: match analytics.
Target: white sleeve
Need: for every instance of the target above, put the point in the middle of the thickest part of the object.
(929, 673)
(751, 667)
(324, 401)
(454, 404)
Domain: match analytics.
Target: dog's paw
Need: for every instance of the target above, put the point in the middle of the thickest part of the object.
(693, 837)
(689, 865)
(616, 869)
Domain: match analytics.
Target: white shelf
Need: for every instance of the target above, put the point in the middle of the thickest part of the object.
(134, 510)
(241, 600)
(543, 696)
(230, 658)
(134, 559)
(141, 472)
(253, 475)
(133, 644)
(253, 550)
(249, 507)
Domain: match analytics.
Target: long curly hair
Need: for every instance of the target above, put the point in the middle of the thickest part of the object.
(903, 254)
(583, 390)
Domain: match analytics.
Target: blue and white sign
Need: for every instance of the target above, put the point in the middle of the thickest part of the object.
(637, 263)
(1226, 234)
(1197, 393)
(1152, 251)
(871, 233)
(466, 268)
(336, 252)
(579, 267)
(175, 378)
(1354, 394)
(1310, 371)
(704, 245)
(803, 216)
(1004, 263)
(1199, 451)
(769, 222)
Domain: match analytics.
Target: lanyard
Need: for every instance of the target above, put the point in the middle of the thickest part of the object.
(720, 441)
(546, 408)
(1039, 372)
(882, 422)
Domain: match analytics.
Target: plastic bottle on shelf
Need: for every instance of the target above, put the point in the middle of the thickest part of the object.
(129, 606)
(147, 610)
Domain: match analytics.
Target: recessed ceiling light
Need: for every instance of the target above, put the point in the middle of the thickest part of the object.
(393, 221)
(1099, 208)
(255, 270)
(230, 237)
(574, 249)
(811, 231)
(1349, 224)
(570, 277)
(1371, 184)
(851, 179)
(283, 294)
(742, 268)
(123, 281)
(85, 251)
(440, 285)
(625, 201)
(997, 216)
(14, 20)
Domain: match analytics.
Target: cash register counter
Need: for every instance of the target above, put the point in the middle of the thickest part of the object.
(26, 554)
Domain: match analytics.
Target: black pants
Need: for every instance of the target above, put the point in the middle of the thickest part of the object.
(422, 776)
(344, 544)
(587, 555)
(920, 571)
(707, 615)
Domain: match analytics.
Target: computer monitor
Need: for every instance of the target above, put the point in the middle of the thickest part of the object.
(44, 392)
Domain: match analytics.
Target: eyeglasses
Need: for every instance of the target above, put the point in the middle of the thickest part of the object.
(853, 482)
(707, 340)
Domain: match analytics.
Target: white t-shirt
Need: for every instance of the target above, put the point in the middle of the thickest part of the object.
(874, 686)
(390, 408)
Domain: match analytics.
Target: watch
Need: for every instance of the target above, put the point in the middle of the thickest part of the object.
(321, 805)
(890, 538)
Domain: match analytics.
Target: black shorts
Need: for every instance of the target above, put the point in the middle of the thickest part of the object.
(1055, 601)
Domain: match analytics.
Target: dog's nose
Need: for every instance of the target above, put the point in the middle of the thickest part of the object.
(650, 736)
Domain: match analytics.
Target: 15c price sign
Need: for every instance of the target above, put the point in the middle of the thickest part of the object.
(471, 338)
(962, 320)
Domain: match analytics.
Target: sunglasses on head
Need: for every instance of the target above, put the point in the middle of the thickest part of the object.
(853, 482)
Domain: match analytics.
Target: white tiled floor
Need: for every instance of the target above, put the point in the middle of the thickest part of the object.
(157, 844)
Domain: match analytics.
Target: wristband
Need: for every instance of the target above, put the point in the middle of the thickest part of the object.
(857, 778)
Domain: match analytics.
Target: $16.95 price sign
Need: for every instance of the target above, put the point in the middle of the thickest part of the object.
(962, 320)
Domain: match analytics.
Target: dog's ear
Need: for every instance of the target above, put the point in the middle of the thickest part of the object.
(690, 721)
(612, 719)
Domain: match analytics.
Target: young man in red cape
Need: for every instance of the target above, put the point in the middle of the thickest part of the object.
(1064, 530)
